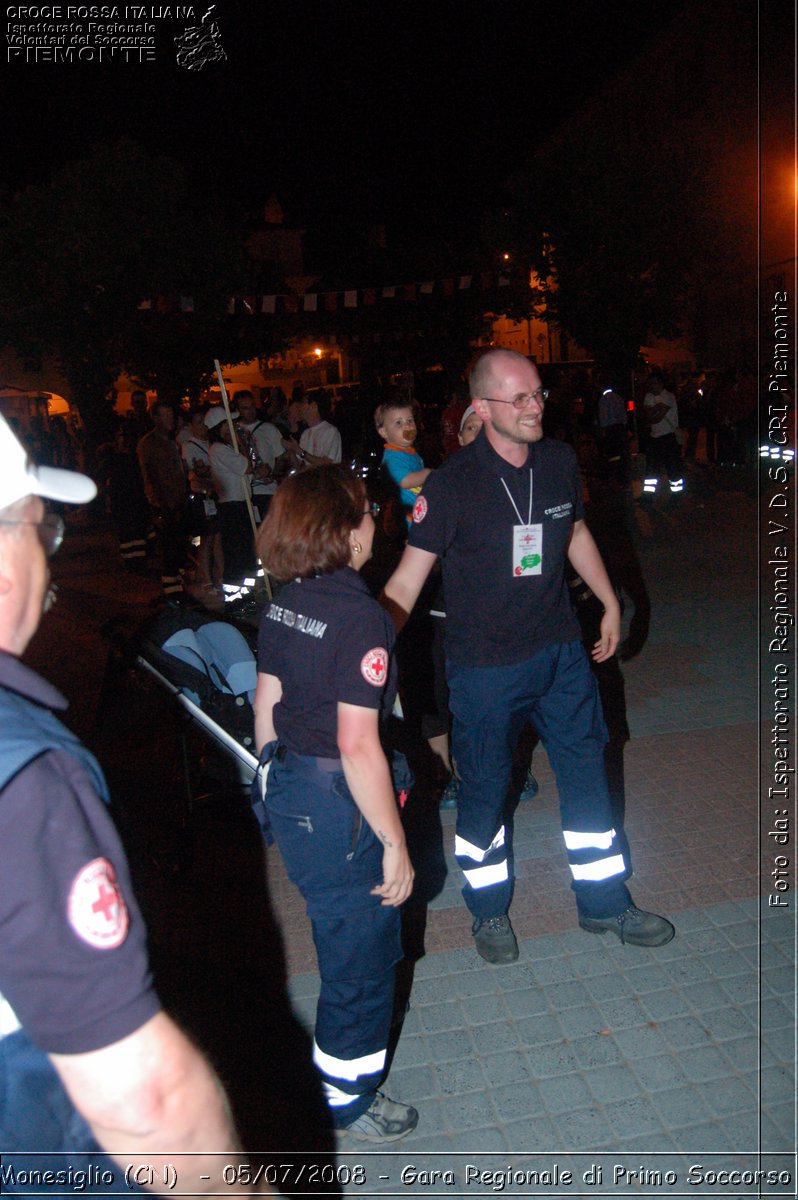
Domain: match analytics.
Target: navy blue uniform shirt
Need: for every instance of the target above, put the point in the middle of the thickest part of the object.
(327, 640)
(465, 516)
(73, 955)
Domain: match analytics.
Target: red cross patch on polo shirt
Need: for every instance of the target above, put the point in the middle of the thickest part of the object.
(374, 666)
(96, 908)
(420, 510)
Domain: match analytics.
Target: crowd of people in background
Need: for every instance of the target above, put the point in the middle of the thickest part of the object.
(186, 488)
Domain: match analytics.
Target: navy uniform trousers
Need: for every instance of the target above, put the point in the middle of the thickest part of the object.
(556, 691)
(334, 858)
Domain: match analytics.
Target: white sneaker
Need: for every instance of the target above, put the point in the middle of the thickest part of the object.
(385, 1121)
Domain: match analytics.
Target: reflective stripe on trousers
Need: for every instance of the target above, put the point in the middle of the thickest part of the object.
(334, 858)
(556, 690)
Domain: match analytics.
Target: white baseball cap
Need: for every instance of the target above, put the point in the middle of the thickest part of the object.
(469, 412)
(19, 475)
(215, 416)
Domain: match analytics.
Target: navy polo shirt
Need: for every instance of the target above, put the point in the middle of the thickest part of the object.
(73, 954)
(327, 640)
(465, 516)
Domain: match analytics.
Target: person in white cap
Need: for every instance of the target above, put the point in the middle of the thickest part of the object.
(232, 473)
(89, 1061)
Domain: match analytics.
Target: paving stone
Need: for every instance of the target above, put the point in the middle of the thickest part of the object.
(729, 1095)
(509, 1067)
(496, 1037)
(437, 1017)
(580, 1022)
(632, 1116)
(646, 978)
(470, 1111)
(566, 1093)
(638, 1043)
(705, 1062)
(487, 1140)
(615, 1082)
(596, 1051)
(435, 990)
(775, 1014)
(681, 1106)
(451, 1044)
(731, 1022)
(779, 980)
(481, 1010)
(705, 995)
(778, 1128)
(604, 987)
(458, 1077)
(778, 1083)
(533, 1131)
(413, 1083)
(683, 1033)
(411, 1050)
(512, 1101)
(529, 1002)
(587, 1127)
(659, 1072)
(622, 1012)
(569, 994)
(555, 1058)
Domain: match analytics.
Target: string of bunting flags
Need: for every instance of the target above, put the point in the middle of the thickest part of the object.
(351, 298)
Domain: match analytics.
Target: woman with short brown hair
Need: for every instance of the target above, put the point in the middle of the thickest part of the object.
(325, 677)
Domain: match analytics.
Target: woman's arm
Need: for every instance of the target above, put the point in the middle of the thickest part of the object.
(369, 779)
(267, 693)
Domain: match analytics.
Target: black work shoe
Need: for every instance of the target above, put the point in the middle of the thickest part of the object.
(385, 1121)
(495, 940)
(635, 927)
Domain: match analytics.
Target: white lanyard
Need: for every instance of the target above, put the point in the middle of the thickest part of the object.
(515, 506)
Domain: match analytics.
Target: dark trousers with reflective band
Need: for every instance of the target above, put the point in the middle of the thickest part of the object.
(40, 1128)
(334, 858)
(556, 691)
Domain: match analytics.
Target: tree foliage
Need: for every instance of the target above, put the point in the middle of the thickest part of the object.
(78, 255)
(607, 230)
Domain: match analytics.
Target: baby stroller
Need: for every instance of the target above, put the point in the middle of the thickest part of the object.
(209, 667)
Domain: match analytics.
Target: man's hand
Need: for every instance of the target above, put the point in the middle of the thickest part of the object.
(610, 635)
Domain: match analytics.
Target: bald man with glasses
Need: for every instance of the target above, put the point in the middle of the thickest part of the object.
(504, 515)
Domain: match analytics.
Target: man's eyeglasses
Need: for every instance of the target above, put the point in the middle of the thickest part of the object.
(374, 509)
(541, 395)
(50, 530)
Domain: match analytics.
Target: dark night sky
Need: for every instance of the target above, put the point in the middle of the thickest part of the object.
(352, 112)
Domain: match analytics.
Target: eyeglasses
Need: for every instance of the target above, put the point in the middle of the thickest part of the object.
(374, 509)
(541, 395)
(50, 530)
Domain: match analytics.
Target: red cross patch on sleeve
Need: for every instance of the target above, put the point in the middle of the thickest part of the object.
(96, 908)
(374, 666)
(420, 510)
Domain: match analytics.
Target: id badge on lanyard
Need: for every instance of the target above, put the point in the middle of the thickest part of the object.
(527, 540)
(527, 550)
